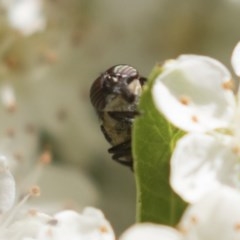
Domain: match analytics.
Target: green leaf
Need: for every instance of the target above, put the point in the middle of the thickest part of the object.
(153, 142)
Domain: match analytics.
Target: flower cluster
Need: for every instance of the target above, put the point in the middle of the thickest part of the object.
(36, 225)
(195, 93)
(215, 217)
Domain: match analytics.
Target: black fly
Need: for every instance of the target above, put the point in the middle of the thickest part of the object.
(115, 96)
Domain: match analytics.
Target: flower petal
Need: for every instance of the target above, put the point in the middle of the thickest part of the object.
(236, 59)
(149, 231)
(27, 16)
(201, 162)
(72, 225)
(26, 227)
(216, 216)
(194, 94)
(7, 186)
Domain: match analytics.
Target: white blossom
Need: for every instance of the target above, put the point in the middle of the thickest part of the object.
(91, 224)
(8, 97)
(200, 163)
(215, 216)
(192, 94)
(25, 15)
(17, 223)
(150, 231)
(203, 104)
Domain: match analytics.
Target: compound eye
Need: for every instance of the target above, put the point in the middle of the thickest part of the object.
(97, 95)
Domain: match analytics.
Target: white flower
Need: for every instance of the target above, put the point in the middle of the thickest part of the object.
(8, 97)
(25, 15)
(195, 94)
(151, 231)
(200, 163)
(215, 217)
(15, 224)
(91, 224)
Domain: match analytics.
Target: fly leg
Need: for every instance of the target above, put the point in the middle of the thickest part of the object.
(122, 153)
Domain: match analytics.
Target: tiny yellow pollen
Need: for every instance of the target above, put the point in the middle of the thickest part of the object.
(182, 230)
(185, 100)
(237, 227)
(194, 118)
(46, 157)
(32, 212)
(236, 150)
(229, 85)
(194, 220)
(34, 191)
(103, 229)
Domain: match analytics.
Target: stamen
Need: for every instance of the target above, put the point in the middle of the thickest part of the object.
(185, 100)
(46, 157)
(237, 227)
(194, 220)
(32, 212)
(236, 150)
(103, 229)
(182, 230)
(194, 118)
(34, 191)
(229, 85)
